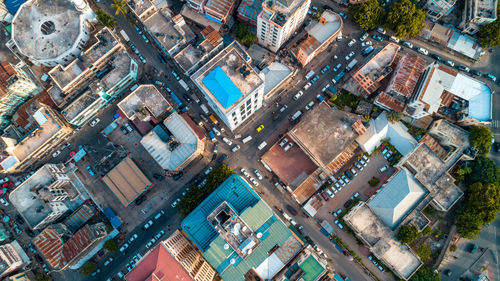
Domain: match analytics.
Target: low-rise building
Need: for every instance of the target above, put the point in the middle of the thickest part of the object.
(477, 13)
(367, 79)
(12, 258)
(22, 276)
(320, 34)
(233, 89)
(49, 130)
(61, 254)
(239, 235)
(193, 56)
(275, 76)
(44, 197)
(453, 93)
(438, 8)
(307, 265)
(171, 33)
(403, 82)
(52, 32)
(219, 11)
(143, 9)
(173, 144)
(248, 11)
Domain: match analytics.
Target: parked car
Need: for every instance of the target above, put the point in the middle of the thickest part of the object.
(244, 172)
(363, 37)
(394, 39)
(89, 169)
(55, 154)
(337, 222)
(381, 30)
(358, 165)
(407, 44)
(384, 168)
(350, 56)
(94, 122)
(476, 72)
(148, 224)
(436, 57)
(336, 68)
(351, 42)
(366, 43)
(257, 173)
(4, 201)
(291, 210)
(325, 69)
(228, 142)
(254, 182)
(353, 171)
(123, 247)
(132, 238)
(366, 159)
(449, 63)
(422, 51)
(376, 37)
(236, 148)
(298, 95)
(309, 105)
(324, 195)
(314, 79)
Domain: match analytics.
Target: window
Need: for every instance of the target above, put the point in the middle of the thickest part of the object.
(234, 113)
(249, 102)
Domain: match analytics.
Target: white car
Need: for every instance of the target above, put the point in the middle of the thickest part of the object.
(123, 247)
(4, 202)
(298, 95)
(228, 142)
(55, 154)
(423, 51)
(363, 37)
(108, 261)
(394, 39)
(257, 173)
(132, 238)
(94, 122)
(306, 86)
(217, 132)
(252, 180)
(244, 172)
(381, 30)
(349, 56)
(148, 224)
(366, 43)
(330, 193)
(310, 105)
(236, 148)
(351, 42)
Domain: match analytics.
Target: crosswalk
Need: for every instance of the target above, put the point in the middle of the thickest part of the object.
(495, 124)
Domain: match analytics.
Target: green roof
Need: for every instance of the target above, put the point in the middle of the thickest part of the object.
(257, 215)
(312, 269)
(216, 254)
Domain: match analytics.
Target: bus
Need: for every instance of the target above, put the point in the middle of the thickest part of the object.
(124, 35)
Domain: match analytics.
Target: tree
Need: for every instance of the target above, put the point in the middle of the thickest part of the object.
(424, 252)
(111, 245)
(483, 170)
(88, 268)
(405, 18)
(42, 277)
(453, 247)
(407, 234)
(374, 181)
(109, 228)
(244, 35)
(480, 137)
(105, 18)
(120, 7)
(393, 116)
(489, 35)
(368, 14)
(425, 273)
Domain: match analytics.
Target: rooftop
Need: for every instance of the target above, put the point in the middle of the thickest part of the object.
(320, 31)
(397, 198)
(126, 181)
(281, 9)
(406, 74)
(237, 231)
(485, 8)
(172, 143)
(158, 265)
(250, 9)
(144, 102)
(47, 29)
(292, 166)
(192, 55)
(325, 132)
(170, 32)
(274, 74)
(50, 244)
(221, 7)
(228, 76)
(87, 98)
(380, 239)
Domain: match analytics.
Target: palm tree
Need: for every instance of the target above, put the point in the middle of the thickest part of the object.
(393, 116)
(105, 18)
(120, 6)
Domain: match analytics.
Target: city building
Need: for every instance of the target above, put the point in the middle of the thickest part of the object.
(219, 11)
(4, 233)
(308, 265)
(61, 254)
(248, 11)
(46, 195)
(22, 276)
(306, 159)
(238, 234)
(454, 40)
(320, 34)
(279, 20)
(143, 9)
(15, 88)
(233, 89)
(144, 107)
(51, 32)
(477, 13)
(379, 129)
(93, 80)
(275, 76)
(175, 143)
(438, 8)
(407, 71)
(452, 93)
(193, 56)
(127, 181)
(48, 130)
(12, 258)
(367, 79)
(170, 33)
(189, 257)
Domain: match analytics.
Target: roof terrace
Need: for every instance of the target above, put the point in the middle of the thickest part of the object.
(144, 102)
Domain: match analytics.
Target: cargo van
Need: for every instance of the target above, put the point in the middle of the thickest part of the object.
(247, 139)
(262, 145)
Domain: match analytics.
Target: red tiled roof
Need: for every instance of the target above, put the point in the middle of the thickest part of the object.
(158, 265)
(390, 102)
(197, 130)
(406, 75)
(77, 244)
(213, 37)
(50, 245)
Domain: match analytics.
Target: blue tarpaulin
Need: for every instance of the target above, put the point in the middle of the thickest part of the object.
(13, 5)
(112, 217)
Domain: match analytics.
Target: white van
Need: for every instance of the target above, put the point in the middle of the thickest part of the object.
(262, 145)
(296, 115)
(247, 139)
(205, 109)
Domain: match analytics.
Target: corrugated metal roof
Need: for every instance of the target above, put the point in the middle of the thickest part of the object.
(257, 215)
(222, 87)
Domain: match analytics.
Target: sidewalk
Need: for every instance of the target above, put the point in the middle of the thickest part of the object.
(442, 51)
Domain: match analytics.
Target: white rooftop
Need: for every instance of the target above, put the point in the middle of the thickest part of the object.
(323, 31)
(273, 75)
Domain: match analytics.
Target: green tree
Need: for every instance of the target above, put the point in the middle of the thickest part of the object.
(244, 35)
(111, 245)
(367, 14)
(405, 18)
(483, 170)
(453, 247)
(105, 18)
(427, 231)
(424, 252)
(120, 7)
(407, 234)
(393, 116)
(109, 228)
(88, 268)
(489, 35)
(480, 137)
(42, 277)
(425, 273)
(374, 181)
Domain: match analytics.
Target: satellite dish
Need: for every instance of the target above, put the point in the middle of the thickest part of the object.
(259, 235)
(233, 261)
(244, 228)
(249, 251)
(226, 246)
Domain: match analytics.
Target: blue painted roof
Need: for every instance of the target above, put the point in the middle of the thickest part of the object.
(221, 86)
(234, 191)
(13, 5)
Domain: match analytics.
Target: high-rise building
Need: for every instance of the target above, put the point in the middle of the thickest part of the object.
(477, 13)
(438, 8)
(51, 32)
(15, 88)
(279, 20)
(12, 257)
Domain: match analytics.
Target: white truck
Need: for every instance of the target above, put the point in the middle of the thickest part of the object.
(351, 65)
(124, 35)
(309, 74)
(204, 108)
(262, 145)
(184, 85)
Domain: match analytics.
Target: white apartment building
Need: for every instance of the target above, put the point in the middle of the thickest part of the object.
(279, 20)
(477, 13)
(233, 89)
